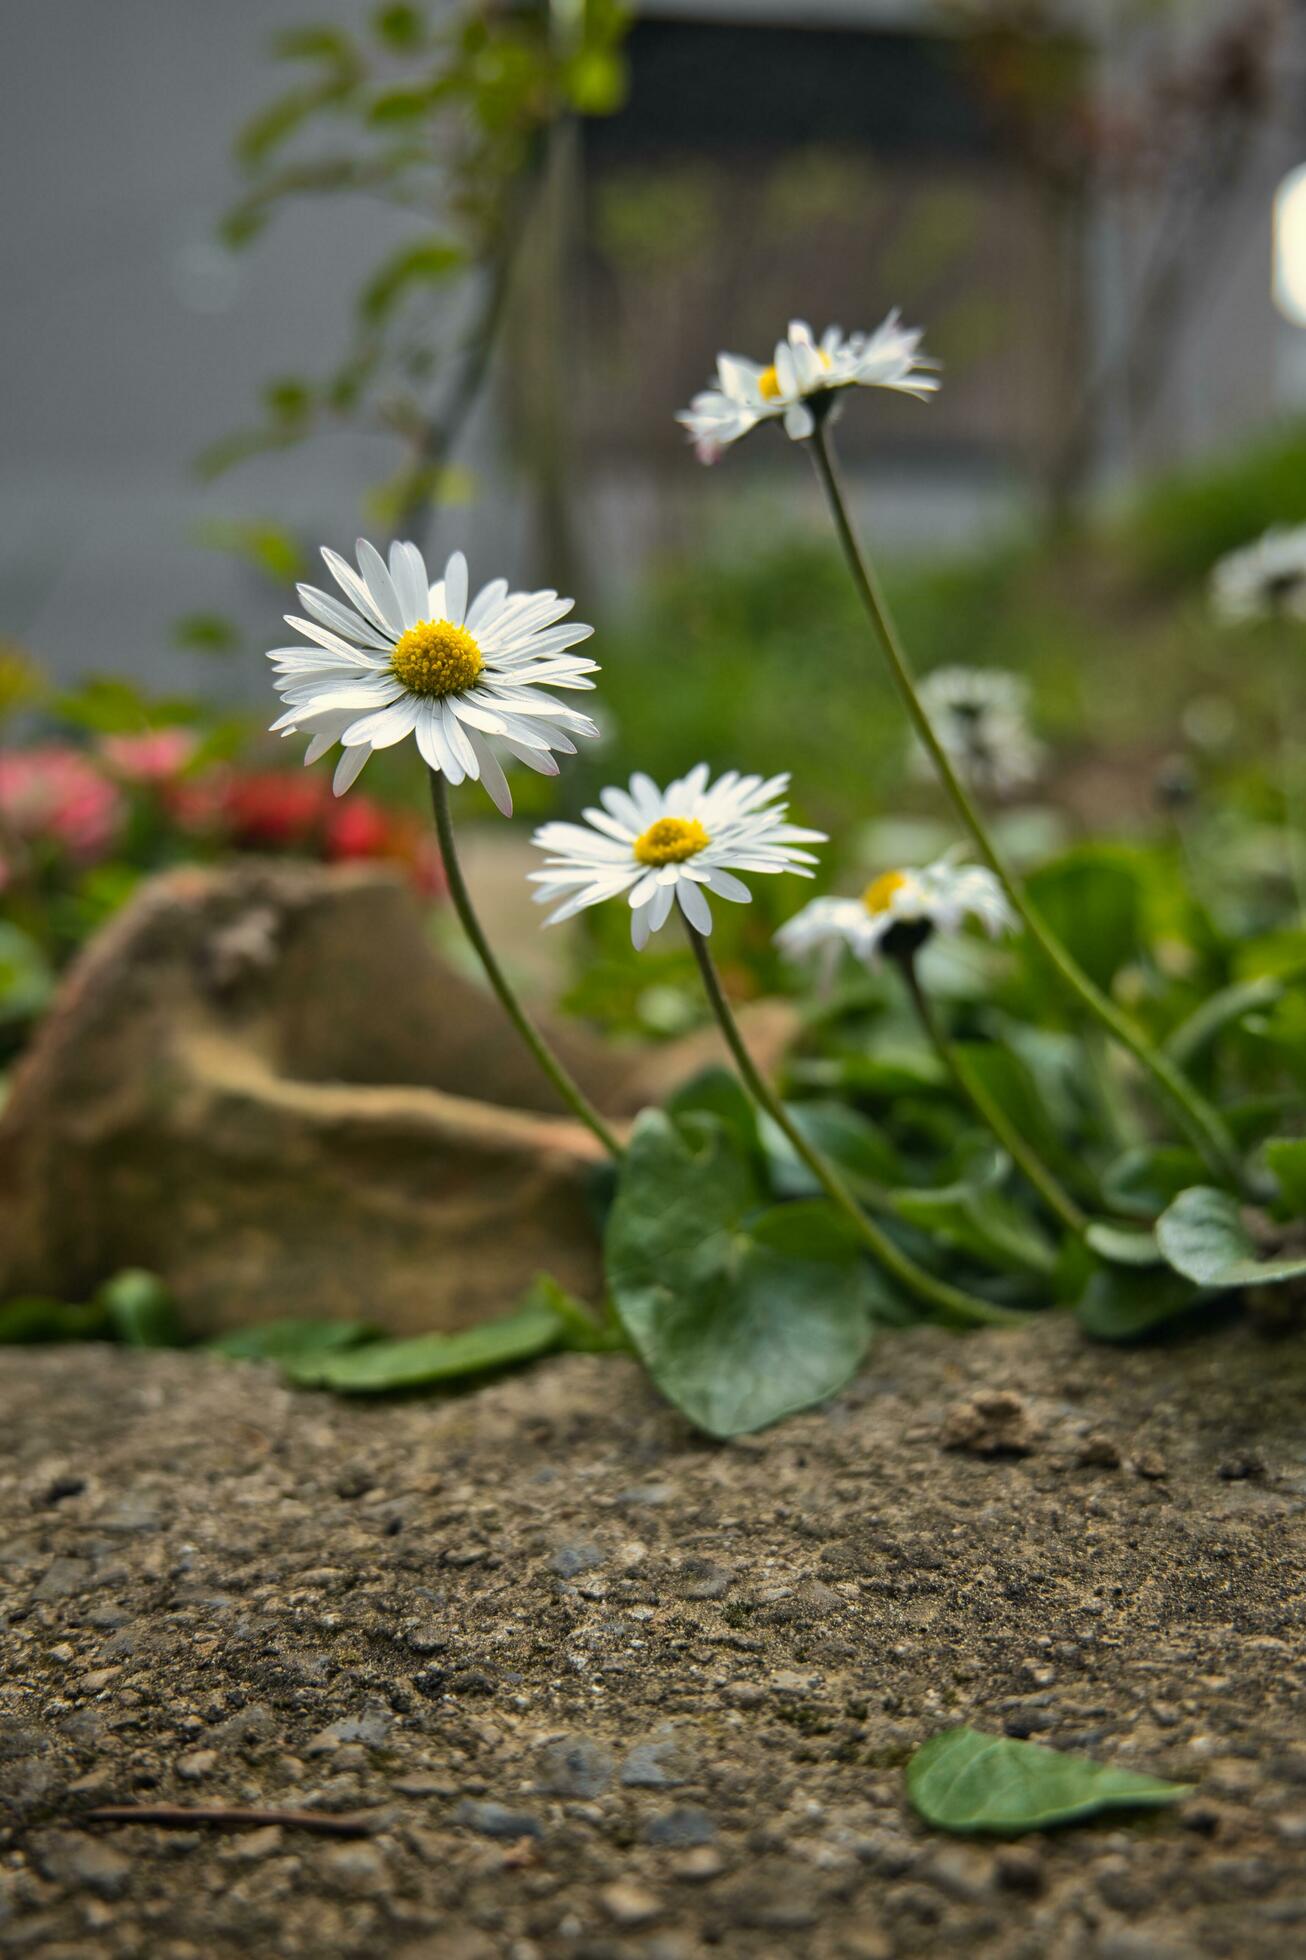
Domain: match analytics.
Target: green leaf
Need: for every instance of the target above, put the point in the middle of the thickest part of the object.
(141, 1310)
(206, 632)
(1286, 1158)
(1007, 1080)
(740, 1320)
(965, 1782)
(1203, 1237)
(852, 1141)
(272, 127)
(1123, 1304)
(30, 1319)
(1142, 1181)
(26, 981)
(292, 1340)
(1092, 899)
(429, 1359)
(315, 44)
(414, 265)
(1121, 1245)
(402, 28)
(267, 547)
(719, 1092)
(595, 81)
(973, 1216)
(1228, 1006)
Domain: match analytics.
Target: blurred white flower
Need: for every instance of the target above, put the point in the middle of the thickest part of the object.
(406, 657)
(1265, 580)
(657, 847)
(897, 913)
(802, 371)
(981, 717)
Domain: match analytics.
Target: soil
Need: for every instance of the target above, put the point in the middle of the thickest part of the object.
(602, 1689)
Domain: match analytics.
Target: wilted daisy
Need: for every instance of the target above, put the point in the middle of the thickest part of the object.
(897, 913)
(980, 715)
(656, 848)
(405, 657)
(1265, 580)
(803, 373)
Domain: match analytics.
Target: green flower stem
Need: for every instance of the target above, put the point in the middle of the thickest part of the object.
(512, 1007)
(1202, 1122)
(936, 1293)
(1049, 1188)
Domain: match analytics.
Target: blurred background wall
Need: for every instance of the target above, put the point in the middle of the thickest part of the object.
(1098, 281)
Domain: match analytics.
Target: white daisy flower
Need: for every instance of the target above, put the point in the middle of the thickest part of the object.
(405, 657)
(658, 847)
(804, 371)
(1265, 580)
(897, 913)
(981, 717)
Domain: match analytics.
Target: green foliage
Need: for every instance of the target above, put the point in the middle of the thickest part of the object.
(442, 116)
(140, 1310)
(742, 1313)
(133, 1307)
(293, 1341)
(353, 1358)
(430, 1360)
(1203, 1236)
(968, 1783)
(1184, 522)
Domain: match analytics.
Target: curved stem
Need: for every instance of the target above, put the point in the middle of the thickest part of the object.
(1049, 1188)
(937, 1293)
(512, 1007)
(1202, 1122)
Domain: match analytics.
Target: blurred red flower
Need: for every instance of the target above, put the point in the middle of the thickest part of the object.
(54, 795)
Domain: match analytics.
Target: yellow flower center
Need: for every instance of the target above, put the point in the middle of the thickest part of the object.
(879, 894)
(436, 657)
(768, 381)
(671, 840)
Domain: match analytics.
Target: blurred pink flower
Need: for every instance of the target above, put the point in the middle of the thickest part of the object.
(55, 795)
(155, 757)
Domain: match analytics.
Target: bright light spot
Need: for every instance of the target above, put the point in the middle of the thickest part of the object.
(1290, 246)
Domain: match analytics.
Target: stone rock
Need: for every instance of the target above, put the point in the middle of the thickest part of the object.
(573, 1766)
(659, 1763)
(87, 1863)
(686, 1825)
(629, 1904)
(992, 1422)
(496, 1820)
(263, 1084)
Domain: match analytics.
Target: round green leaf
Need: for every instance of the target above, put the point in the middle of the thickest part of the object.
(966, 1782)
(1203, 1237)
(739, 1319)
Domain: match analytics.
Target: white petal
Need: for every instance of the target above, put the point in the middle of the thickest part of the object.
(349, 767)
(381, 586)
(694, 906)
(355, 590)
(408, 570)
(455, 589)
(341, 619)
(492, 777)
(485, 606)
(386, 727)
(726, 886)
(663, 900)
